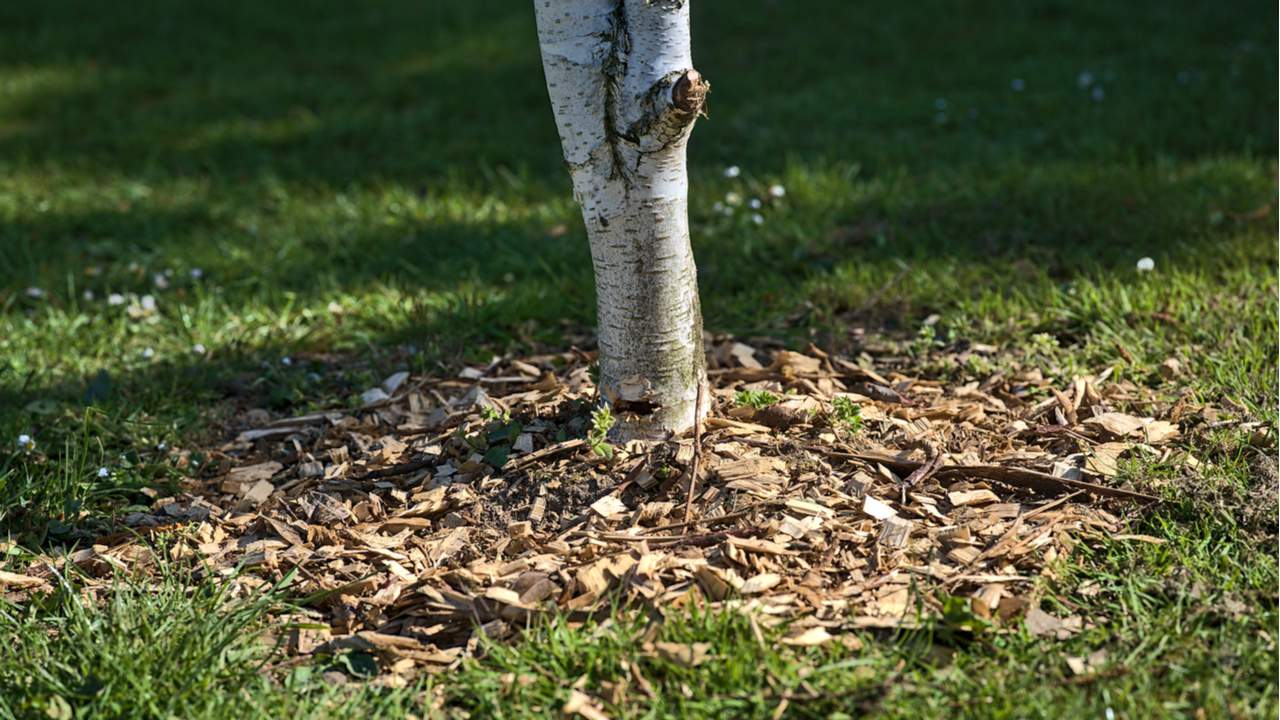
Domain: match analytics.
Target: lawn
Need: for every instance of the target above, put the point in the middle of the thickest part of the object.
(215, 207)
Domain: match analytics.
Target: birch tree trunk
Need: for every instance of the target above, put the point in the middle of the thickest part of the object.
(625, 97)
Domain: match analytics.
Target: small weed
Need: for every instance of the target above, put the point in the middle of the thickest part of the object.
(492, 413)
(758, 399)
(926, 340)
(846, 415)
(1043, 344)
(979, 366)
(602, 421)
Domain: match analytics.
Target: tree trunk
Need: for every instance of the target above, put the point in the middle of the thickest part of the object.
(625, 97)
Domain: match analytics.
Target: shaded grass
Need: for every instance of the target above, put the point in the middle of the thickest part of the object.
(408, 175)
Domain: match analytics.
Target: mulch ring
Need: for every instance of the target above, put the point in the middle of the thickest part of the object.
(861, 497)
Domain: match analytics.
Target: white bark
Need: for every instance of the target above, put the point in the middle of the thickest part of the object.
(625, 97)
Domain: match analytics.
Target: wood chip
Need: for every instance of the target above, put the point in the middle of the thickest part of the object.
(972, 497)
(1042, 624)
(1084, 666)
(877, 508)
(686, 654)
(759, 546)
(250, 474)
(608, 507)
(808, 637)
(581, 704)
(760, 583)
(18, 580)
(258, 493)
(895, 532)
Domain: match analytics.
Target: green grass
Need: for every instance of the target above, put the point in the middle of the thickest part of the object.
(185, 648)
(398, 161)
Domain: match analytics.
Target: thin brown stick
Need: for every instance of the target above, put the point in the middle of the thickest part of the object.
(697, 454)
(544, 453)
(686, 539)
(719, 519)
(1018, 477)
(921, 474)
(401, 469)
(1051, 505)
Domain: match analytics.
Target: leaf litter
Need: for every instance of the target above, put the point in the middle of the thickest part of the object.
(450, 510)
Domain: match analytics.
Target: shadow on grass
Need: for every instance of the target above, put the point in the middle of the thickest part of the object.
(220, 115)
(300, 151)
(327, 95)
(210, 121)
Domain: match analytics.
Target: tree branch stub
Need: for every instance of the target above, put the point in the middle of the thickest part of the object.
(690, 93)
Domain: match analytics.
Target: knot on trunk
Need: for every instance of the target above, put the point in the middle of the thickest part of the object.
(668, 110)
(690, 92)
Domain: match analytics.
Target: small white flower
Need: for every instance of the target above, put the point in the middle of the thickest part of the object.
(35, 293)
(777, 191)
(197, 349)
(755, 204)
(142, 307)
(1146, 264)
(1017, 84)
(1084, 79)
(104, 472)
(25, 442)
(732, 198)
(1098, 94)
(196, 273)
(717, 206)
(162, 446)
(1111, 714)
(148, 353)
(115, 299)
(87, 295)
(160, 281)
(286, 361)
(727, 211)
(757, 218)
(732, 171)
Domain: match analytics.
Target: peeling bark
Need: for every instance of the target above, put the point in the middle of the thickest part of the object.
(625, 97)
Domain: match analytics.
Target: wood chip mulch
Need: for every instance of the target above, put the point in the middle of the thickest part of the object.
(447, 508)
